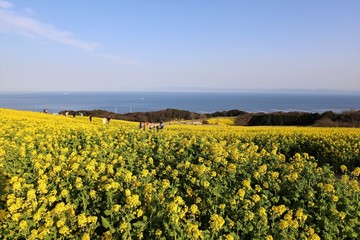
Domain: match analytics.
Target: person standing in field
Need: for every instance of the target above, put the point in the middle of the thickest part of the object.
(108, 119)
(90, 117)
(104, 120)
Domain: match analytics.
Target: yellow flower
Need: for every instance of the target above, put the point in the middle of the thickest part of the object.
(128, 177)
(78, 183)
(34, 234)
(310, 231)
(292, 177)
(144, 173)
(241, 193)
(60, 223)
(57, 169)
(263, 169)
(52, 199)
(23, 225)
(334, 198)
(193, 231)
(92, 194)
(231, 167)
(133, 201)
(194, 210)
(15, 217)
(216, 222)
(342, 215)
(300, 215)
(86, 236)
(279, 210)
(16, 186)
(250, 215)
(158, 232)
(75, 167)
(294, 223)
(246, 183)
(345, 178)
(82, 220)
(275, 175)
(139, 213)
(283, 224)
(328, 188)
(343, 168)
(165, 183)
(255, 198)
(356, 172)
(42, 187)
(60, 207)
(314, 237)
(262, 212)
(206, 184)
(116, 207)
(229, 237)
(127, 192)
(354, 185)
(91, 219)
(179, 200)
(64, 230)
(31, 194)
(288, 216)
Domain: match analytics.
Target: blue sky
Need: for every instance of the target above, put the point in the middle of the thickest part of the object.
(179, 45)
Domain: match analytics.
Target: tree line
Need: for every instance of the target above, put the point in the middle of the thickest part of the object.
(326, 119)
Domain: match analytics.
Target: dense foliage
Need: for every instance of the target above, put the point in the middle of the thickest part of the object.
(329, 118)
(69, 178)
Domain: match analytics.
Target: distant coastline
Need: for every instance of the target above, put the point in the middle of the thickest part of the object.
(199, 102)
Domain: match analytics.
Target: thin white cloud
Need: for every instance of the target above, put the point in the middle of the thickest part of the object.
(27, 25)
(24, 25)
(5, 4)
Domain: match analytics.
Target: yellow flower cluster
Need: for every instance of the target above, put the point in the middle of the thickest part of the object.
(216, 222)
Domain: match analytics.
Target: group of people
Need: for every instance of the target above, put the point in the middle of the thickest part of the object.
(105, 120)
(151, 126)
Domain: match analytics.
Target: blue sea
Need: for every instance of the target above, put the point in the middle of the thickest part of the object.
(200, 102)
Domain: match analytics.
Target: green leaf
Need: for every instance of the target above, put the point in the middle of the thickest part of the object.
(139, 224)
(107, 212)
(105, 223)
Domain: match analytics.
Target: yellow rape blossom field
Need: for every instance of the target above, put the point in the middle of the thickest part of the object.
(224, 121)
(69, 178)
